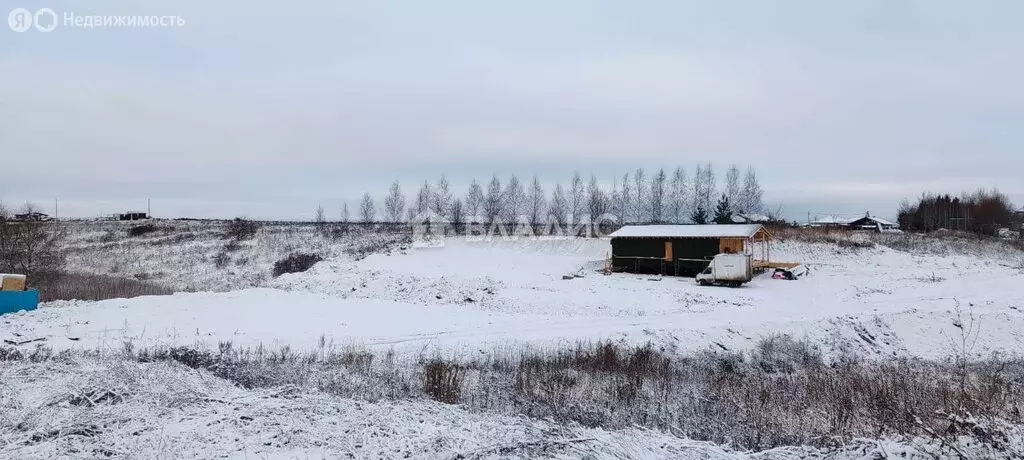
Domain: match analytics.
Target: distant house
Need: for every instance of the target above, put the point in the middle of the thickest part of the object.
(752, 218)
(133, 215)
(683, 250)
(32, 217)
(869, 222)
(831, 222)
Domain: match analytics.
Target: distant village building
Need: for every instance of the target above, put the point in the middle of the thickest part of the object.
(752, 218)
(868, 222)
(133, 215)
(32, 217)
(830, 222)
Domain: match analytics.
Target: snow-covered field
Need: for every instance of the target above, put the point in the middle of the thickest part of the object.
(469, 295)
(460, 298)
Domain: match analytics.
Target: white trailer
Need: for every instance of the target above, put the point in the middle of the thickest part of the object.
(728, 269)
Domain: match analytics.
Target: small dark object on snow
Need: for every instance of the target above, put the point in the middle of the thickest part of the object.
(567, 277)
(22, 342)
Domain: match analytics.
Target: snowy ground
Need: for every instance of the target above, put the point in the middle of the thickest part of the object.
(476, 295)
(460, 298)
(110, 408)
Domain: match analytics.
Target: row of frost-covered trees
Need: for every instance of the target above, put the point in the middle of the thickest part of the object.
(662, 196)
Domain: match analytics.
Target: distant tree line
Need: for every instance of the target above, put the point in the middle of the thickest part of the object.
(983, 212)
(664, 196)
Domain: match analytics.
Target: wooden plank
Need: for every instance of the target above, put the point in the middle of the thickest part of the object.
(769, 264)
(12, 283)
(668, 250)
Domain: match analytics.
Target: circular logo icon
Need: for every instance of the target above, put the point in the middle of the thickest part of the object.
(20, 19)
(45, 20)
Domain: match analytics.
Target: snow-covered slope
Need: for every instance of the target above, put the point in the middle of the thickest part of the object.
(476, 295)
(111, 408)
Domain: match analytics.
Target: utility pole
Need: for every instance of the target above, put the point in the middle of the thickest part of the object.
(149, 208)
(55, 209)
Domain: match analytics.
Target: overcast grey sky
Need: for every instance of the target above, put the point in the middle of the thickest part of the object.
(266, 109)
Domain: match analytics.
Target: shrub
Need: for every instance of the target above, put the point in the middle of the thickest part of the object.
(854, 244)
(242, 229)
(31, 248)
(221, 260)
(442, 381)
(140, 230)
(295, 263)
(80, 286)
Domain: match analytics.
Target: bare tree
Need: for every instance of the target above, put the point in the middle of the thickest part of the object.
(576, 197)
(513, 199)
(640, 208)
(597, 199)
(492, 202)
(626, 203)
(458, 217)
(658, 196)
(678, 193)
(751, 197)
(615, 201)
(423, 199)
(345, 217)
(710, 189)
(319, 217)
(559, 205)
(474, 200)
(537, 203)
(442, 198)
(732, 190)
(367, 210)
(31, 248)
(394, 204)
(703, 190)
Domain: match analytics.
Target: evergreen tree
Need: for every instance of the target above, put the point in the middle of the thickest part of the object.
(723, 215)
(699, 215)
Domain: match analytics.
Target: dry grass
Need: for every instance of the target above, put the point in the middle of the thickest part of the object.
(781, 393)
(79, 286)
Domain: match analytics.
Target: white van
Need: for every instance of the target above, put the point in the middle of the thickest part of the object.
(728, 269)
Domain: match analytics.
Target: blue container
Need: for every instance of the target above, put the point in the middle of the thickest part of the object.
(13, 301)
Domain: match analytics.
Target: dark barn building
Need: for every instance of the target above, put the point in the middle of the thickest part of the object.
(133, 215)
(682, 250)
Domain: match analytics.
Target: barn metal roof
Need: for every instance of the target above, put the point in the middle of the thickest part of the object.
(688, 231)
